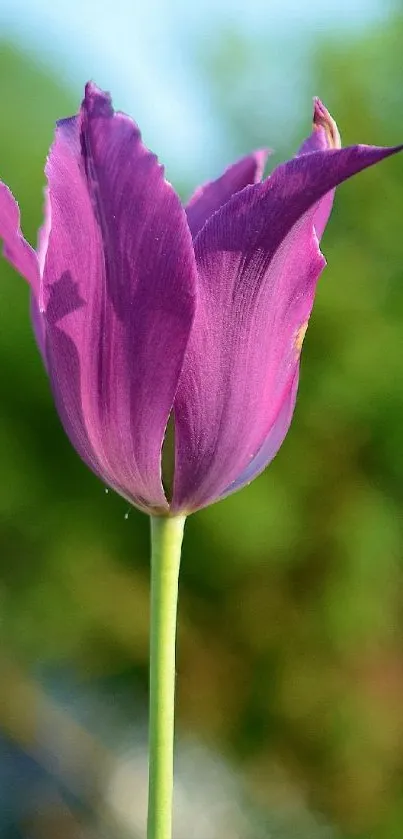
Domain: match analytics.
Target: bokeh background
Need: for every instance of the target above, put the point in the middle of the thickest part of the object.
(290, 650)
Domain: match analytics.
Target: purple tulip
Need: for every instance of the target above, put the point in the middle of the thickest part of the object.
(144, 310)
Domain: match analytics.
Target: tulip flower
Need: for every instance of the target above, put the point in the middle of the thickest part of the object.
(144, 310)
(147, 312)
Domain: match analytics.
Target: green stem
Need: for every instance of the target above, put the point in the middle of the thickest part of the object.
(166, 542)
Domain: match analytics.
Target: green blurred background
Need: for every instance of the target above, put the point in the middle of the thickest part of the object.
(290, 652)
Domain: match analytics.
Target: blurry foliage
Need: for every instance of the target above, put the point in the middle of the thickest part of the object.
(290, 651)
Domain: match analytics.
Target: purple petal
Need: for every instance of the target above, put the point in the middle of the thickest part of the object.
(37, 302)
(22, 257)
(258, 261)
(207, 199)
(39, 326)
(273, 441)
(118, 289)
(15, 248)
(325, 135)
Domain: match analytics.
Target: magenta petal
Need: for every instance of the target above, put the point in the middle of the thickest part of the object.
(325, 135)
(258, 261)
(39, 326)
(118, 289)
(273, 441)
(37, 302)
(15, 248)
(207, 199)
(22, 257)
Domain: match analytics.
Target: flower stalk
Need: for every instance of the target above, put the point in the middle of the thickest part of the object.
(166, 543)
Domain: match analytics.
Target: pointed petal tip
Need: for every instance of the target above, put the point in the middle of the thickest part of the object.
(97, 102)
(209, 197)
(91, 88)
(323, 119)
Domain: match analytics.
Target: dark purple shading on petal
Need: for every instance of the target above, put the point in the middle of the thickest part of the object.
(207, 199)
(15, 248)
(325, 135)
(118, 290)
(258, 261)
